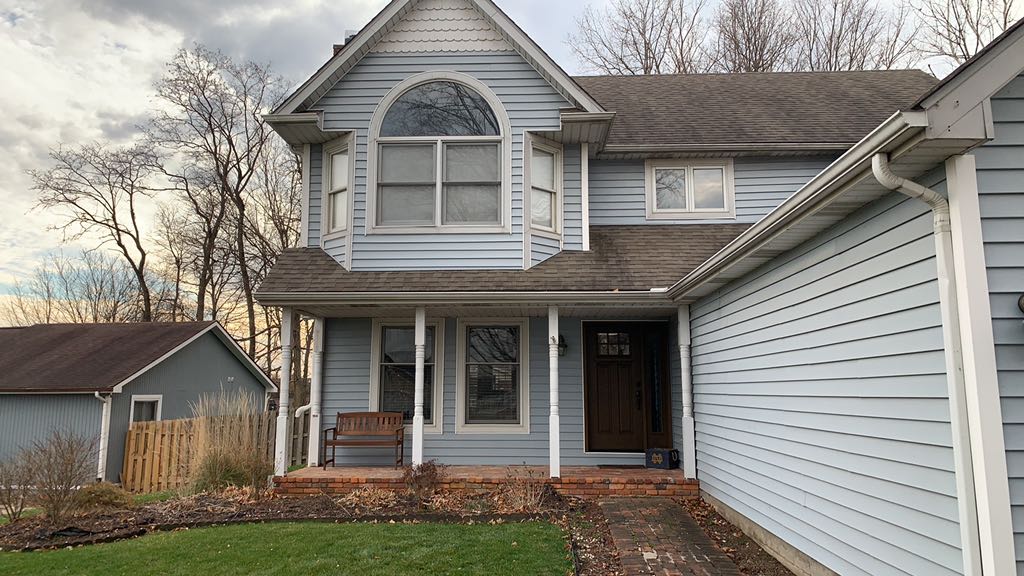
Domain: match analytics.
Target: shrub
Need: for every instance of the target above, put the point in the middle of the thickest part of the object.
(521, 492)
(423, 480)
(229, 443)
(61, 464)
(103, 496)
(15, 483)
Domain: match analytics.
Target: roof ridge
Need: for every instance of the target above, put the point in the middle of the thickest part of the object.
(770, 73)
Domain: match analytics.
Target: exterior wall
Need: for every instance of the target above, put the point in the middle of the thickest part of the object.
(1000, 166)
(202, 367)
(572, 203)
(26, 418)
(617, 188)
(347, 373)
(821, 397)
(316, 211)
(531, 104)
(542, 248)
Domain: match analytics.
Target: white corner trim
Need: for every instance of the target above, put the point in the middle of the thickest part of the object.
(523, 427)
(988, 450)
(436, 427)
(585, 192)
(158, 398)
(504, 140)
(728, 184)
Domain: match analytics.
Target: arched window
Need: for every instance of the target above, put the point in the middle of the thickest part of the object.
(439, 158)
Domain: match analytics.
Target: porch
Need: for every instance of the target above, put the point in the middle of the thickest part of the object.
(574, 481)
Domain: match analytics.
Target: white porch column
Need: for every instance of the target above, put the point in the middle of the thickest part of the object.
(686, 376)
(420, 339)
(283, 415)
(315, 392)
(554, 451)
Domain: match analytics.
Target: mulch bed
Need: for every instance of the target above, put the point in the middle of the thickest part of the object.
(581, 519)
(748, 556)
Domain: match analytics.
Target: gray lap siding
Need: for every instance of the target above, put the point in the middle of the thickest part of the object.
(27, 418)
(346, 389)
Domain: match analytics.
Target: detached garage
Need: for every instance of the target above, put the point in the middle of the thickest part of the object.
(95, 379)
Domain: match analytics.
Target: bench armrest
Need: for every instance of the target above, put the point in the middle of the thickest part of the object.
(333, 430)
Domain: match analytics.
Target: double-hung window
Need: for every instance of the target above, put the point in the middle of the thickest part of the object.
(337, 185)
(393, 382)
(689, 189)
(545, 185)
(493, 395)
(439, 160)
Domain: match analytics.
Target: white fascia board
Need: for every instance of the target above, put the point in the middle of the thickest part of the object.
(852, 166)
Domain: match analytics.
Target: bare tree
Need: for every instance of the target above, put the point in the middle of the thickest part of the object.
(641, 37)
(958, 29)
(101, 190)
(753, 36)
(212, 116)
(850, 35)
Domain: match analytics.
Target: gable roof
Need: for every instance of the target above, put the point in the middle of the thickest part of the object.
(635, 258)
(345, 59)
(791, 110)
(58, 358)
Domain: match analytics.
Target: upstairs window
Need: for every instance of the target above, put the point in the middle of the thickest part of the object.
(337, 173)
(440, 160)
(689, 190)
(545, 186)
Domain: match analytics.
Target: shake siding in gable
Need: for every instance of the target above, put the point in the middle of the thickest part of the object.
(346, 389)
(316, 168)
(820, 397)
(531, 104)
(617, 188)
(1000, 166)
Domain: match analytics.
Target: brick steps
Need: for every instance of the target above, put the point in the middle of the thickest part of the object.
(590, 482)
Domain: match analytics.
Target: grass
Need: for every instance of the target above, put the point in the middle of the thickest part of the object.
(29, 512)
(141, 499)
(306, 548)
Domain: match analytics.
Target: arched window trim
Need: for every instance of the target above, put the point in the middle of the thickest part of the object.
(375, 140)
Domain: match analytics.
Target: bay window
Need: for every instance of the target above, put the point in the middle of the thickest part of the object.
(690, 189)
(337, 186)
(545, 185)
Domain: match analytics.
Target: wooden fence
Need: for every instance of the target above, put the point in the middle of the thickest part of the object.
(158, 455)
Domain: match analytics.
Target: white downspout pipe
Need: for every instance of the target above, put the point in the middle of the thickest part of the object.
(951, 337)
(686, 377)
(101, 467)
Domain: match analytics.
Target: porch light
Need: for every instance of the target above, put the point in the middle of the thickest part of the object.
(562, 346)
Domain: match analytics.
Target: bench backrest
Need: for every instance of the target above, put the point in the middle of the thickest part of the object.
(369, 423)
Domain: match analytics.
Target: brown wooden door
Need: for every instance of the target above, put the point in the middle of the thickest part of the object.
(625, 380)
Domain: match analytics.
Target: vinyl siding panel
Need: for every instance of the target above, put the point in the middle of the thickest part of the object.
(617, 188)
(201, 368)
(27, 418)
(531, 103)
(346, 388)
(316, 178)
(337, 248)
(820, 397)
(542, 248)
(1000, 166)
(572, 203)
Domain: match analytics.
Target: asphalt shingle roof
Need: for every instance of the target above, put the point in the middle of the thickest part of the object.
(84, 357)
(753, 108)
(620, 258)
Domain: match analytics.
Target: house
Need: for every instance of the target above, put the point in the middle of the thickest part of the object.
(807, 283)
(94, 380)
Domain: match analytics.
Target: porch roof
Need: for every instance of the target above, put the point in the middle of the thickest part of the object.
(621, 259)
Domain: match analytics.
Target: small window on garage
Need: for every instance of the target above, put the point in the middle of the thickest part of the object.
(146, 408)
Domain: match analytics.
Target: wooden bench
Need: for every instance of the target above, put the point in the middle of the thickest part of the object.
(363, 429)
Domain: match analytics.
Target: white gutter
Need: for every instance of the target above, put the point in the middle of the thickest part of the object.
(651, 296)
(101, 468)
(804, 201)
(951, 336)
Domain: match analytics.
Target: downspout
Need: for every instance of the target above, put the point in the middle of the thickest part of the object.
(951, 337)
(101, 468)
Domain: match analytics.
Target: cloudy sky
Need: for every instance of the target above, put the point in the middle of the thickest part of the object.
(77, 71)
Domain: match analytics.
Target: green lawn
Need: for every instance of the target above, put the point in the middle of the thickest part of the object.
(305, 548)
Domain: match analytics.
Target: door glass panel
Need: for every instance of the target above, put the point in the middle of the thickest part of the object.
(613, 344)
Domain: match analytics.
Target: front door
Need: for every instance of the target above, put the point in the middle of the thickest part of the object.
(626, 386)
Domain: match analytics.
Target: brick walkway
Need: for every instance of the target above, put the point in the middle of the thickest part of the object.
(657, 536)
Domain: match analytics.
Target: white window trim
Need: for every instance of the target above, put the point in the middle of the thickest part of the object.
(557, 207)
(505, 152)
(729, 185)
(523, 427)
(158, 398)
(343, 144)
(375, 349)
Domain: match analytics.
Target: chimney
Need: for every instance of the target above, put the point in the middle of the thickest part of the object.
(349, 35)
